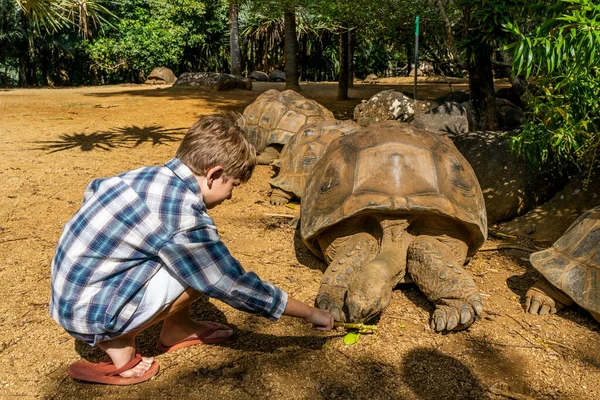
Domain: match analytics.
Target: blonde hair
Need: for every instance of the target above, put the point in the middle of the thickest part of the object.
(218, 139)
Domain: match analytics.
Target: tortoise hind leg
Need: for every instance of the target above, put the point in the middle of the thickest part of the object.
(269, 154)
(280, 197)
(544, 298)
(350, 252)
(442, 279)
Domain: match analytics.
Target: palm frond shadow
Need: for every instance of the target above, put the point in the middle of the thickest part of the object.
(130, 136)
(85, 142)
(151, 134)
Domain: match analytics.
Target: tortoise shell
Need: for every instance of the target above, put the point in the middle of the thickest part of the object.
(392, 168)
(303, 150)
(274, 117)
(572, 264)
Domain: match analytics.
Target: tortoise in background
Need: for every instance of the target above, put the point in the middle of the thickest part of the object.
(300, 154)
(161, 76)
(387, 201)
(570, 269)
(274, 117)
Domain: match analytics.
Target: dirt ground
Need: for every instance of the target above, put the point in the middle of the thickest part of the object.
(54, 141)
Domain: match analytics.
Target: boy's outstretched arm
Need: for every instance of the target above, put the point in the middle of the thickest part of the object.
(321, 319)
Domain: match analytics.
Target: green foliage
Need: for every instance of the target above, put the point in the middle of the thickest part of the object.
(140, 46)
(562, 56)
(179, 34)
(486, 20)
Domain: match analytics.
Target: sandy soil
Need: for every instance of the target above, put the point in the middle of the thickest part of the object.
(54, 141)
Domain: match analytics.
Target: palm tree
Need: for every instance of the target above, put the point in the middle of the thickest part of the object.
(291, 50)
(234, 39)
(40, 19)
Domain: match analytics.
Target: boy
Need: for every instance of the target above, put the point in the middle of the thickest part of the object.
(142, 248)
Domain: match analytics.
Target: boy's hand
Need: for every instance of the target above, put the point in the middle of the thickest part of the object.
(321, 319)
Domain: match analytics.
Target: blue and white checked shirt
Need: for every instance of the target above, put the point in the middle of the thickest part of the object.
(127, 228)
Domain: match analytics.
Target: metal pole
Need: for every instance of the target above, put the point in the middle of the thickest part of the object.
(416, 54)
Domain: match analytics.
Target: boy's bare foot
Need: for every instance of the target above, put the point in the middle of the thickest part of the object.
(121, 352)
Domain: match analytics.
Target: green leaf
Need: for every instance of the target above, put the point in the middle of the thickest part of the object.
(351, 338)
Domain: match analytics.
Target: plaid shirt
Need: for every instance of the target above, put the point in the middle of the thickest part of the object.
(128, 227)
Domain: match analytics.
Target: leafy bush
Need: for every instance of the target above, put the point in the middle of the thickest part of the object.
(178, 34)
(562, 56)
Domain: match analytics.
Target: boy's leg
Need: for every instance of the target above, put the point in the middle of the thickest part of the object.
(177, 327)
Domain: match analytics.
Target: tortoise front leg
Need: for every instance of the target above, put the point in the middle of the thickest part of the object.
(349, 253)
(442, 279)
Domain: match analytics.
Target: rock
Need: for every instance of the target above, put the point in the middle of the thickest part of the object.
(511, 94)
(510, 185)
(385, 105)
(449, 119)
(371, 78)
(456, 97)
(509, 115)
(161, 76)
(550, 220)
(214, 81)
(259, 76)
(277, 76)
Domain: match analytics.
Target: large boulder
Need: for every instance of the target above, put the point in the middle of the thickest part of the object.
(511, 186)
(161, 76)
(259, 76)
(548, 221)
(509, 115)
(455, 97)
(449, 119)
(277, 76)
(389, 105)
(214, 81)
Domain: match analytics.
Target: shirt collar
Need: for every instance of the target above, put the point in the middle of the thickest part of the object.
(184, 173)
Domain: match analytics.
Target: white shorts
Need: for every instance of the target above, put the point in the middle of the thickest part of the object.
(161, 291)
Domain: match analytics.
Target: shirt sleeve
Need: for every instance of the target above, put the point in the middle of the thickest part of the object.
(203, 261)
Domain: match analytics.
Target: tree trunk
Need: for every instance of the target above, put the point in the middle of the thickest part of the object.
(343, 78)
(234, 40)
(481, 79)
(481, 84)
(291, 51)
(351, 47)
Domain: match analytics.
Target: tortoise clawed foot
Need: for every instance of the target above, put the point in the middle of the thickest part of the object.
(456, 315)
(543, 299)
(537, 302)
(326, 302)
(277, 201)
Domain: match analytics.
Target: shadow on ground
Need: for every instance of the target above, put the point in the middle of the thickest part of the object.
(131, 136)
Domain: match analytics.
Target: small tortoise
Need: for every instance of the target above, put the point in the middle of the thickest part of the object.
(274, 117)
(301, 153)
(388, 200)
(570, 269)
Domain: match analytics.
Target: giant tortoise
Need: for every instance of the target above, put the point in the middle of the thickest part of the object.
(570, 269)
(388, 200)
(274, 117)
(301, 153)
